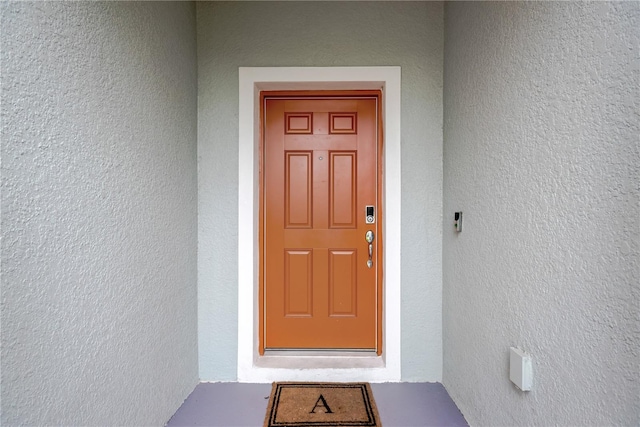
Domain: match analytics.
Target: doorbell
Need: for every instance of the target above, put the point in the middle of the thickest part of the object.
(458, 221)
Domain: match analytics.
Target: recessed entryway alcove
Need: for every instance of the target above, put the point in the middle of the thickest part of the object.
(336, 366)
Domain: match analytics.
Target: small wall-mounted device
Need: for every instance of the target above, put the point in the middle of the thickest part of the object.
(370, 215)
(458, 221)
(520, 369)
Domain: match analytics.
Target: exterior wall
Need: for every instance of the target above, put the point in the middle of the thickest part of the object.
(406, 34)
(99, 212)
(541, 154)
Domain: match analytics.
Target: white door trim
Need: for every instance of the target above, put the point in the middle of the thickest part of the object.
(252, 80)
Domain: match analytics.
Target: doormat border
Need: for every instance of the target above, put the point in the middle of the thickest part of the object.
(367, 395)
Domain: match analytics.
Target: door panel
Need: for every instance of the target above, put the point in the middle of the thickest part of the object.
(342, 283)
(342, 184)
(298, 279)
(298, 179)
(320, 170)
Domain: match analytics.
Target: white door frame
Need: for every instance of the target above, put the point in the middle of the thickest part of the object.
(252, 80)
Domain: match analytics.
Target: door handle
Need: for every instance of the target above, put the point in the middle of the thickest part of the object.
(369, 236)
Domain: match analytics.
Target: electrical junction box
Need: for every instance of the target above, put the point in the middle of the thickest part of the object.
(520, 369)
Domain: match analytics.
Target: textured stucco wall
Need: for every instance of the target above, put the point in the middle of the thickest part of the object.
(541, 154)
(99, 212)
(406, 34)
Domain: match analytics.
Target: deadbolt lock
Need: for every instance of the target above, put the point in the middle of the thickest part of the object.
(370, 215)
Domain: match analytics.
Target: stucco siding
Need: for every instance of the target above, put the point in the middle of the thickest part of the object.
(541, 154)
(99, 212)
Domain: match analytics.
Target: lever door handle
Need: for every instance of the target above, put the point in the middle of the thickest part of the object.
(369, 236)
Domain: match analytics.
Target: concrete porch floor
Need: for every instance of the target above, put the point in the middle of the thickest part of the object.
(236, 404)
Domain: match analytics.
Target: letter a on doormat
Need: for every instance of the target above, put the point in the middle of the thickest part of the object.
(321, 405)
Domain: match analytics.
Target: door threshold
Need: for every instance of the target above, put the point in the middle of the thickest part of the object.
(319, 359)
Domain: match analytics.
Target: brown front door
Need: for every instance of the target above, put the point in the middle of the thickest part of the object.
(319, 174)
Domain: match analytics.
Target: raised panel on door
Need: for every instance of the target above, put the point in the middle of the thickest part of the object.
(342, 193)
(343, 286)
(298, 189)
(298, 283)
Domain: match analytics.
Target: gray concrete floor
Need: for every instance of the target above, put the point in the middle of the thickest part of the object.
(235, 405)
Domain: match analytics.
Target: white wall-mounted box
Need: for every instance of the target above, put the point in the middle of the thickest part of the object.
(520, 369)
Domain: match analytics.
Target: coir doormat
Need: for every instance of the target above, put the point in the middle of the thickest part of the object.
(321, 405)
